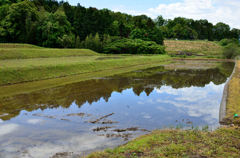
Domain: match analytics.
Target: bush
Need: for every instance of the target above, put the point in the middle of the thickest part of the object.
(225, 41)
(230, 51)
(134, 46)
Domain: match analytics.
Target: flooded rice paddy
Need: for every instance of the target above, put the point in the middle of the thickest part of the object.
(75, 119)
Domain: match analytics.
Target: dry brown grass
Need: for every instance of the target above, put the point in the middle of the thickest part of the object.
(197, 47)
(233, 103)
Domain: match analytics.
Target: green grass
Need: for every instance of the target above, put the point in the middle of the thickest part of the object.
(12, 75)
(223, 142)
(17, 45)
(45, 61)
(27, 53)
(233, 100)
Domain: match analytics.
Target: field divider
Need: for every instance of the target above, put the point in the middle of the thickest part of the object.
(34, 73)
(223, 105)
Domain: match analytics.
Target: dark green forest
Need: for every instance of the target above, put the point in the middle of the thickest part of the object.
(57, 24)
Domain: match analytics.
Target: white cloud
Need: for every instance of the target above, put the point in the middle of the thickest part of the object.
(124, 9)
(146, 116)
(197, 101)
(78, 144)
(140, 103)
(191, 94)
(213, 10)
(8, 128)
(34, 121)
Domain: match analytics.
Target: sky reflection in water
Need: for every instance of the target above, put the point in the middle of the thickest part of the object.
(40, 124)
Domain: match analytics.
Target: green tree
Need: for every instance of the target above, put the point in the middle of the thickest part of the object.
(54, 8)
(3, 12)
(31, 30)
(177, 31)
(77, 21)
(165, 31)
(106, 40)
(16, 19)
(4, 2)
(221, 31)
(56, 25)
(97, 43)
(123, 30)
(78, 42)
(150, 24)
(65, 41)
(160, 21)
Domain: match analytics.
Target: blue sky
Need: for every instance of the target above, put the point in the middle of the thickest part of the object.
(215, 11)
(141, 4)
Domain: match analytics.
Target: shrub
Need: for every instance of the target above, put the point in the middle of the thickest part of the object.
(225, 41)
(230, 51)
(134, 46)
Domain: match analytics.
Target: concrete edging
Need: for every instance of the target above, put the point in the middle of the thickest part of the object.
(223, 105)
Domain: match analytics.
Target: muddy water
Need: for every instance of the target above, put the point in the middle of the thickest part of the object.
(76, 119)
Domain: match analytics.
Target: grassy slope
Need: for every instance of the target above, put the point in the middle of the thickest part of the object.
(179, 143)
(11, 75)
(196, 47)
(17, 45)
(45, 61)
(233, 103)
(26, 53)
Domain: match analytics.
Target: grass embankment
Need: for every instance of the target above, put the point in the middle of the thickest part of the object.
(233, 101)
(17, 45)
(26, 51)
(11, 75)
(223, 142)
(206, 48)
(45, 61)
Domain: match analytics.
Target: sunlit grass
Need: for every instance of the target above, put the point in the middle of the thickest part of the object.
(233, 101)
(45, 61)
(27, 53)
(223, 142)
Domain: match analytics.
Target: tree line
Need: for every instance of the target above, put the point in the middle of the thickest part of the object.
(56, 24)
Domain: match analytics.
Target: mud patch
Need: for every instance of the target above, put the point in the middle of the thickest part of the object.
(44, 116)
(98, 129)
(130, 129)
(101, 121)
(62, 155)
(125, 136)
(76, 114)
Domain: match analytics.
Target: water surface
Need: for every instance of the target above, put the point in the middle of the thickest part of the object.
(76, 119)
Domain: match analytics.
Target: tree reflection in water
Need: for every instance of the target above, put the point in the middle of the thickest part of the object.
(93, 90)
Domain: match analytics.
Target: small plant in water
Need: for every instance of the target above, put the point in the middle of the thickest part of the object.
(205, 128)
